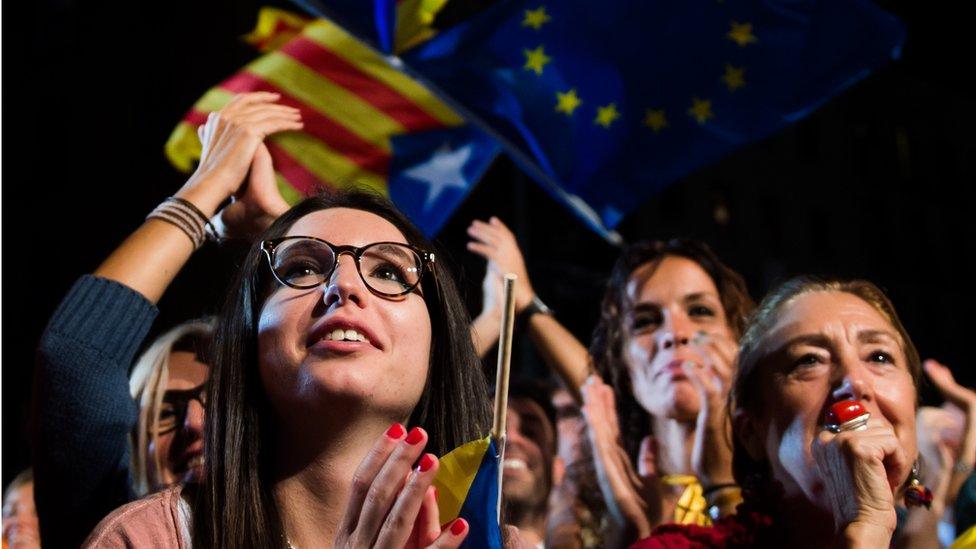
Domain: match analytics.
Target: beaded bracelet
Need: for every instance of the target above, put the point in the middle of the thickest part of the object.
(962, 467)
(184, 215)
(211, 231)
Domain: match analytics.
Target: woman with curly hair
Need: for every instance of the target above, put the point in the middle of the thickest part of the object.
(666, 344)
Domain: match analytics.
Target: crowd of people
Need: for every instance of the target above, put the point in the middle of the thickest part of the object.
(311, 411)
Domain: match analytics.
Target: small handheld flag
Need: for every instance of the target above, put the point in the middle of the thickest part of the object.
(469, 482)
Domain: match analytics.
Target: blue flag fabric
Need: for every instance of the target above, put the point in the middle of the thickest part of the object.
(606, 103)
(432, 172)
(481, 506)
(467, 485)
(373, 22)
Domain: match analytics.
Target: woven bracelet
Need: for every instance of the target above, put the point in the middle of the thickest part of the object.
(210, 231)
(179, 218)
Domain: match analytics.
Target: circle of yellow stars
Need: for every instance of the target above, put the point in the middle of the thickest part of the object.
(656, 119)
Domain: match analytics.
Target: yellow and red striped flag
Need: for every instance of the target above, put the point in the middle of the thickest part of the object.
(365, 123)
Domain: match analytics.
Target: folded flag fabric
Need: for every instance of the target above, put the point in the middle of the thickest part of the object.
(607, 103)
(274, 28)
(391, 26)
(366, 123)
(467, 485)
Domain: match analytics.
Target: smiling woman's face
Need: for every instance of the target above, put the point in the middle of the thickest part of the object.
(175, 454)
(382, 361)
(828, 346)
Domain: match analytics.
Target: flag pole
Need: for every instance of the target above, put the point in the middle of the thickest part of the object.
(501, 377)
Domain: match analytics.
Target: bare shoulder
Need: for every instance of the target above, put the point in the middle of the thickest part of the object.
(157, 521)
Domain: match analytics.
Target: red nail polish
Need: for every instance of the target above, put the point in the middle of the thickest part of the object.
(437, 493)
(427, 462)
(395, 431)
(416, 435)
(459, 526)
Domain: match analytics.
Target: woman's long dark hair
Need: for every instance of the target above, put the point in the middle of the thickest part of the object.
(606, 347)
(235, 506)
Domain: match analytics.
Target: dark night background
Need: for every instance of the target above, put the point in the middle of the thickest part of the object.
(877, 184)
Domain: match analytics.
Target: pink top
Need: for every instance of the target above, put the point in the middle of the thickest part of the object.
(161, 520)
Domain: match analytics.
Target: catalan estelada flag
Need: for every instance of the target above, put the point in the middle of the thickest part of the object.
(467, 486)
(605, 103)
(366, 123)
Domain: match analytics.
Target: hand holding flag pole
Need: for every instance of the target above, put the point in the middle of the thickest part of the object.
(502, 374)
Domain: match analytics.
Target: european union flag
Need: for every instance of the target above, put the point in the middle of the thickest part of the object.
(606, 103)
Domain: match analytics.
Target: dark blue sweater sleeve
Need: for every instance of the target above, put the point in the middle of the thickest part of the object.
(82, 412)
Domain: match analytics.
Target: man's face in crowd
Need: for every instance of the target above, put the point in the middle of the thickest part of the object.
(529, 452)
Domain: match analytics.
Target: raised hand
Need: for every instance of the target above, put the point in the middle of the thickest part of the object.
(712, 453)
(936, 455)
(496, 243)
(965, 399)
(236, 164)
(392, 504)
(623, 488)
(232, 136)
(258, 203)
(232, 144)
(941, 376)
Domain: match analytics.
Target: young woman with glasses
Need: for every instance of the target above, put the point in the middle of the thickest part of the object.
(342, 366)
(102, 438)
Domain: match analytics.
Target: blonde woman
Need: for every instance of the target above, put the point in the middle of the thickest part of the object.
(167, 383)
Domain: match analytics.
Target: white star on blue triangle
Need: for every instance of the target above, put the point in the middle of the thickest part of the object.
(441, 171)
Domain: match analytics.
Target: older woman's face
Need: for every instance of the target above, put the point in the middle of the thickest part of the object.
(829, 346)
(303, 365)
(673, 300)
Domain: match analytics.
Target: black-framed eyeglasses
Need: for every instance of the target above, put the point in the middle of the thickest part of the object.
(172, 412)
(389, 269)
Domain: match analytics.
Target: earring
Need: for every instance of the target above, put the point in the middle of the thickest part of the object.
(916, 494)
